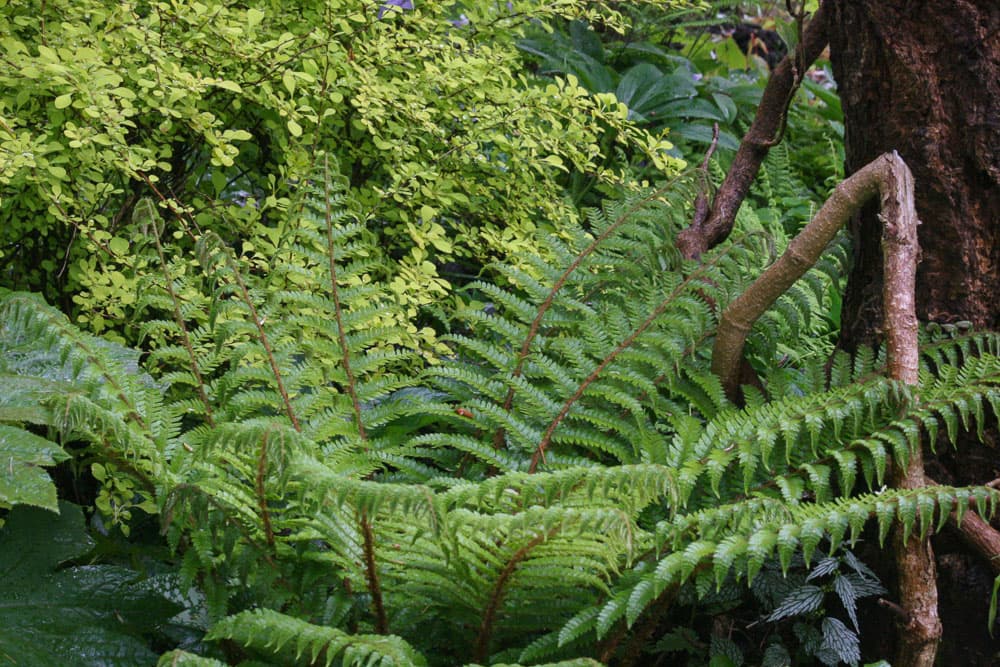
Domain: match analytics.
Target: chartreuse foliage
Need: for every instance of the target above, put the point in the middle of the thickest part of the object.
(546, 492)
(217, 111)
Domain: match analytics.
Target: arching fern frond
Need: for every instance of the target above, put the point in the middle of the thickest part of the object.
(293, 641)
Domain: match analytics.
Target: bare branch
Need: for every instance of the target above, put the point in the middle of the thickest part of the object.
(765, 131)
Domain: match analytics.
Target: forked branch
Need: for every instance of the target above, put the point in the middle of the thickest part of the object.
(886, 174)
(889, 177)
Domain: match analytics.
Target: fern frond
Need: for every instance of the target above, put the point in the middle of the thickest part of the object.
(299, 642)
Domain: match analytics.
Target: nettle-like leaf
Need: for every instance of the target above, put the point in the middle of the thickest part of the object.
(80, 615)
(841, 641)
(801, 601)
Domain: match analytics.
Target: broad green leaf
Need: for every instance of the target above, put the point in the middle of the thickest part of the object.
(22, 478)
(85, 615)
(254, 17)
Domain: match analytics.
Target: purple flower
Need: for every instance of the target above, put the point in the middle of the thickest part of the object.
(461, 21)
(402, 4)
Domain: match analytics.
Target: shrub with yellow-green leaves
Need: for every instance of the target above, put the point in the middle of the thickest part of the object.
(218, 112)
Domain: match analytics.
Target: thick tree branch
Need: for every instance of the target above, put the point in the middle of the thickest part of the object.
(765, 131)
(981, 537)
(802, 253)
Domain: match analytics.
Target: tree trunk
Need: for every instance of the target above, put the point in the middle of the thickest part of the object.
(923, 77)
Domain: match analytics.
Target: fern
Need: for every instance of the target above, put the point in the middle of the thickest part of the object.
(619, 361)
(553, 488)
(304, 643)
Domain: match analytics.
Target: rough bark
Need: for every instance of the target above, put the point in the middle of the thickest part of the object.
(923, 78)
(915, 565)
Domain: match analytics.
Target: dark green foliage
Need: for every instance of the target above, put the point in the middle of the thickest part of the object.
(662, 90)
(77, 615)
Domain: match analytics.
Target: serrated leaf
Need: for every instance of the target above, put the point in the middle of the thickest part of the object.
(694, 555)
(269, 630)
(906, 510)
(885, 513)
(724, 652)
(802, 600)
(925, 507)
(759, 549)
(811, 534)
(788, 542)
(840, 639)
(847, 466)
(823, 567)
(641, 596)
(844, 589)
(576, 626)
(728, 551)
(961, 505)
(857, 517)
(836, 527)
(776, 655)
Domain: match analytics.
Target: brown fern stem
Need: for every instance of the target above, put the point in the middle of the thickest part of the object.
(522, 355)
(539, 455)
(482, 645)
(371, 574)
(264, 340)
(185, 335)
(265, 514)
(368, 542)
(352, 389)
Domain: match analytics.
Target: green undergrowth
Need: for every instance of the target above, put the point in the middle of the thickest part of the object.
(565, 483)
